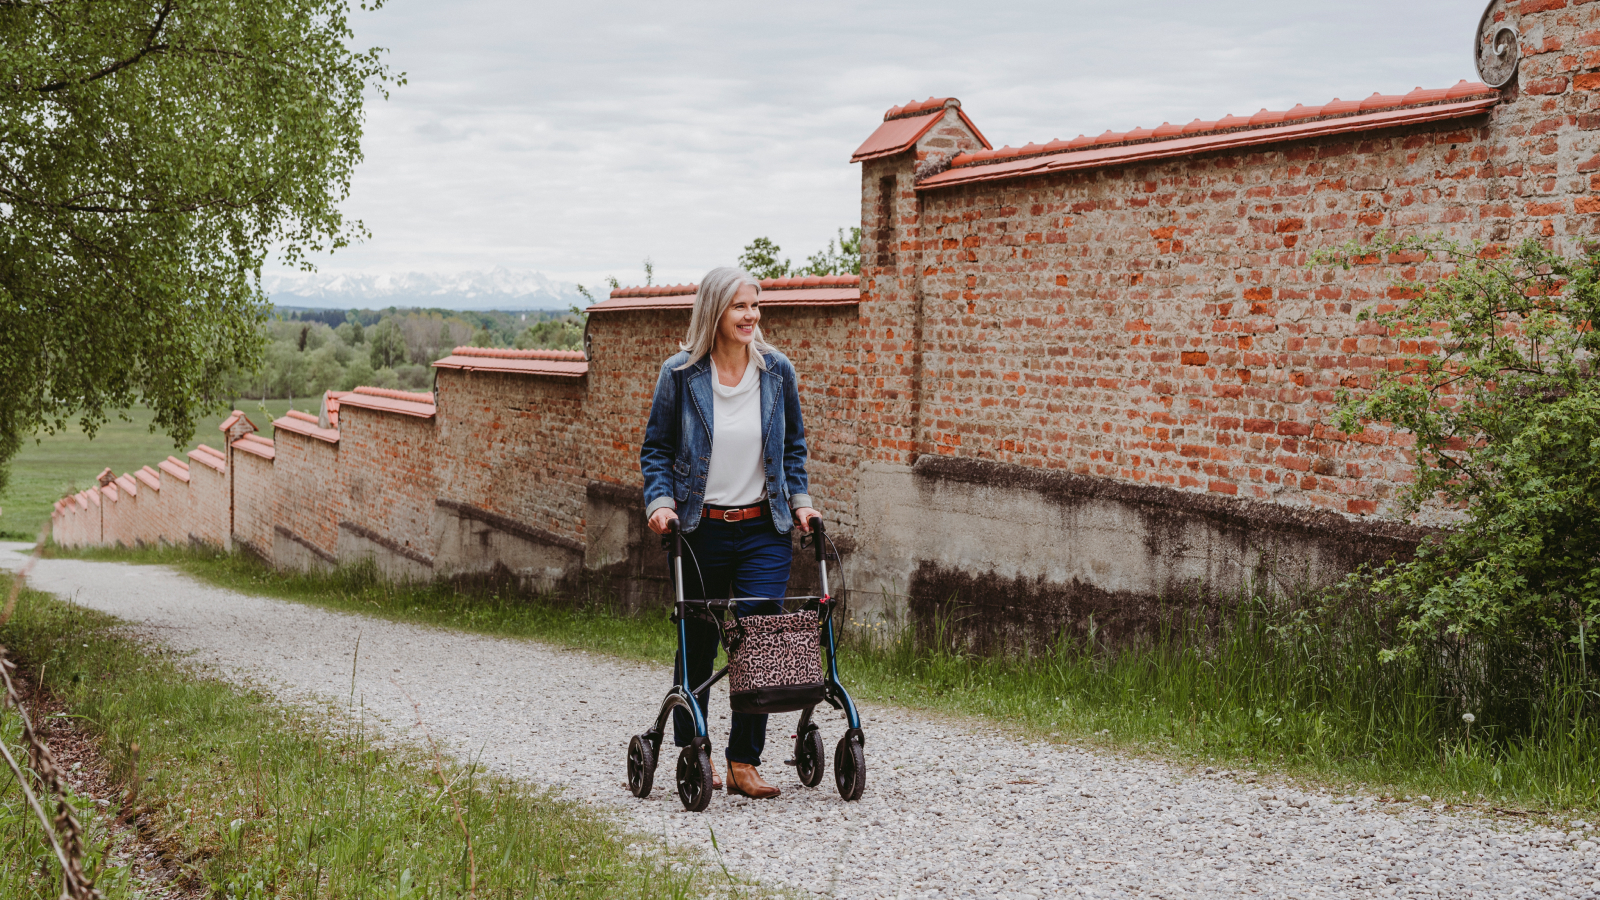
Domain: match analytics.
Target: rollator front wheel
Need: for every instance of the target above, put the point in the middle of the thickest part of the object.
(810, 757)
(694, 778)
(641, 766)
(850, 768)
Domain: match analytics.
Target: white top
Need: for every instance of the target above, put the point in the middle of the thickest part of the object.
(736, 477)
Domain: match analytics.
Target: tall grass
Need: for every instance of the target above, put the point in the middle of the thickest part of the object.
(250, 800)
(1291, 684)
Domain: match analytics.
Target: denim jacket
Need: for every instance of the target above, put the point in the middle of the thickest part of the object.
(676, 456)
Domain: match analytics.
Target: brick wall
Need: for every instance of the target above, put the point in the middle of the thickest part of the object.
(311, 499)
(255, 498)
(208, 500)
(177, 502)
(517, 446)
(391, 479)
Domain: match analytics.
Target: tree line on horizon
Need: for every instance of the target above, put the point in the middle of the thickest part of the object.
(309, 351)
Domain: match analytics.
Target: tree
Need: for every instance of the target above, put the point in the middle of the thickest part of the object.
(846, 260)
(760, 258)
(1497, 383)
(387, 343)
(151, 154)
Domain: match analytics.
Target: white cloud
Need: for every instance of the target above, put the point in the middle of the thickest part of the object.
(576, 139)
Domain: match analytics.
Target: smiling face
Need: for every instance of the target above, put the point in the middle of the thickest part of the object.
(737, 327)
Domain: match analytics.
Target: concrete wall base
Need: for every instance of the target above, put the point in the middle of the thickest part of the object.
(475, 543)
(394, 561)
(291, 551)
(1008, 556)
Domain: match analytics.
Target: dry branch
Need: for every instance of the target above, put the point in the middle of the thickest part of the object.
(64, 832)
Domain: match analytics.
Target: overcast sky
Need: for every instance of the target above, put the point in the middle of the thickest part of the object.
(577, 138)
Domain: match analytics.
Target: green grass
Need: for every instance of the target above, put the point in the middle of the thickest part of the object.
(257, 800)
(53, 466)
(28, 868)
(1275, 687)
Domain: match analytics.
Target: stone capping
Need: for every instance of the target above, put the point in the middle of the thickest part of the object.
(299, 426)
(509, 526)
(320, 553)
(1226, 511)
(620, 494)
(262, 556)
(1038, 161)
(175, 467)
(386, 543)
(550, 363)
(404, 403)
(205, 455)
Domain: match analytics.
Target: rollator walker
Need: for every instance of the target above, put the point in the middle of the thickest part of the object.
(694, 761)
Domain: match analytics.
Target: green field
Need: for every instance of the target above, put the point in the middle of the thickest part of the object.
(60, 464)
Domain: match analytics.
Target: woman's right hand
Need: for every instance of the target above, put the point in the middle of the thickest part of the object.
(660, 519)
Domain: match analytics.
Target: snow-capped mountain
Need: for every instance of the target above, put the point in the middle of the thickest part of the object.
(498, 288)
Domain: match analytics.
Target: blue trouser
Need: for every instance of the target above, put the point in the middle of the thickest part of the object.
(722, 560)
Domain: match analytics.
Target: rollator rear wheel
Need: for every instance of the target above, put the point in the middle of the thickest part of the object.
(850, 768)
(694, 778)
(641, 766)
(810, 757)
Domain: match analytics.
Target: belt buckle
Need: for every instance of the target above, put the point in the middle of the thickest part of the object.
(733, 515)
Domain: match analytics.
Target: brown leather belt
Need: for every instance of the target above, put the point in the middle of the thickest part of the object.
(736, 515)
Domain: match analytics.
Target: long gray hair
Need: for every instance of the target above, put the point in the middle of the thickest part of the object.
(711, 301)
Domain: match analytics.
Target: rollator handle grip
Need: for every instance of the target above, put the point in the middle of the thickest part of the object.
(817, 532)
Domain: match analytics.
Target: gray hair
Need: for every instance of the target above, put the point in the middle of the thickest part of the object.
(715, 295)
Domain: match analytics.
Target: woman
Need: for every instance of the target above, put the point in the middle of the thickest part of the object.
(725, 455)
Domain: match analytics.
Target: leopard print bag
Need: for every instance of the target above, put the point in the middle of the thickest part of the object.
(773, 663)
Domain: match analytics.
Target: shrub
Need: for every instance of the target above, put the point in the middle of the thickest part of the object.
(1496, 382)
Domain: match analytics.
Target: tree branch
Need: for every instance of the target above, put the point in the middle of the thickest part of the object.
(150, 46)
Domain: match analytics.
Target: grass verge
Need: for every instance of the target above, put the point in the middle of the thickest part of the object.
(250, 799)
(1278, 687)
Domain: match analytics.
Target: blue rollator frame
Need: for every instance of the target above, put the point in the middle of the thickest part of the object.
(694, 761)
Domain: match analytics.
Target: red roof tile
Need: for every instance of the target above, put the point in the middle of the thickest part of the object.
(405, 403)
(257, 445)
(208, 456)
(904, 125)
(110, 490)
(126, 482)
(175, 467)
(411, 396)
(555, 363)
(303, 416)
(802, 282)
(805, 290)
(330, 402)
(239, 419)
(508, 353)
(150, 477)
(310, 429)
(1378, 111)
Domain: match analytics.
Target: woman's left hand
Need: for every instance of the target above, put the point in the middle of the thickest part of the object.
(803, 517)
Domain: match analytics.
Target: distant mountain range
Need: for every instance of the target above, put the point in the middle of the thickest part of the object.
(498, 288)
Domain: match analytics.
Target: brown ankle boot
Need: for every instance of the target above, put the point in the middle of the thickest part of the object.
(744, 779)
(716, 782)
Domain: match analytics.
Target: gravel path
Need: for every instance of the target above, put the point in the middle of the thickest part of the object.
(952, 809)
